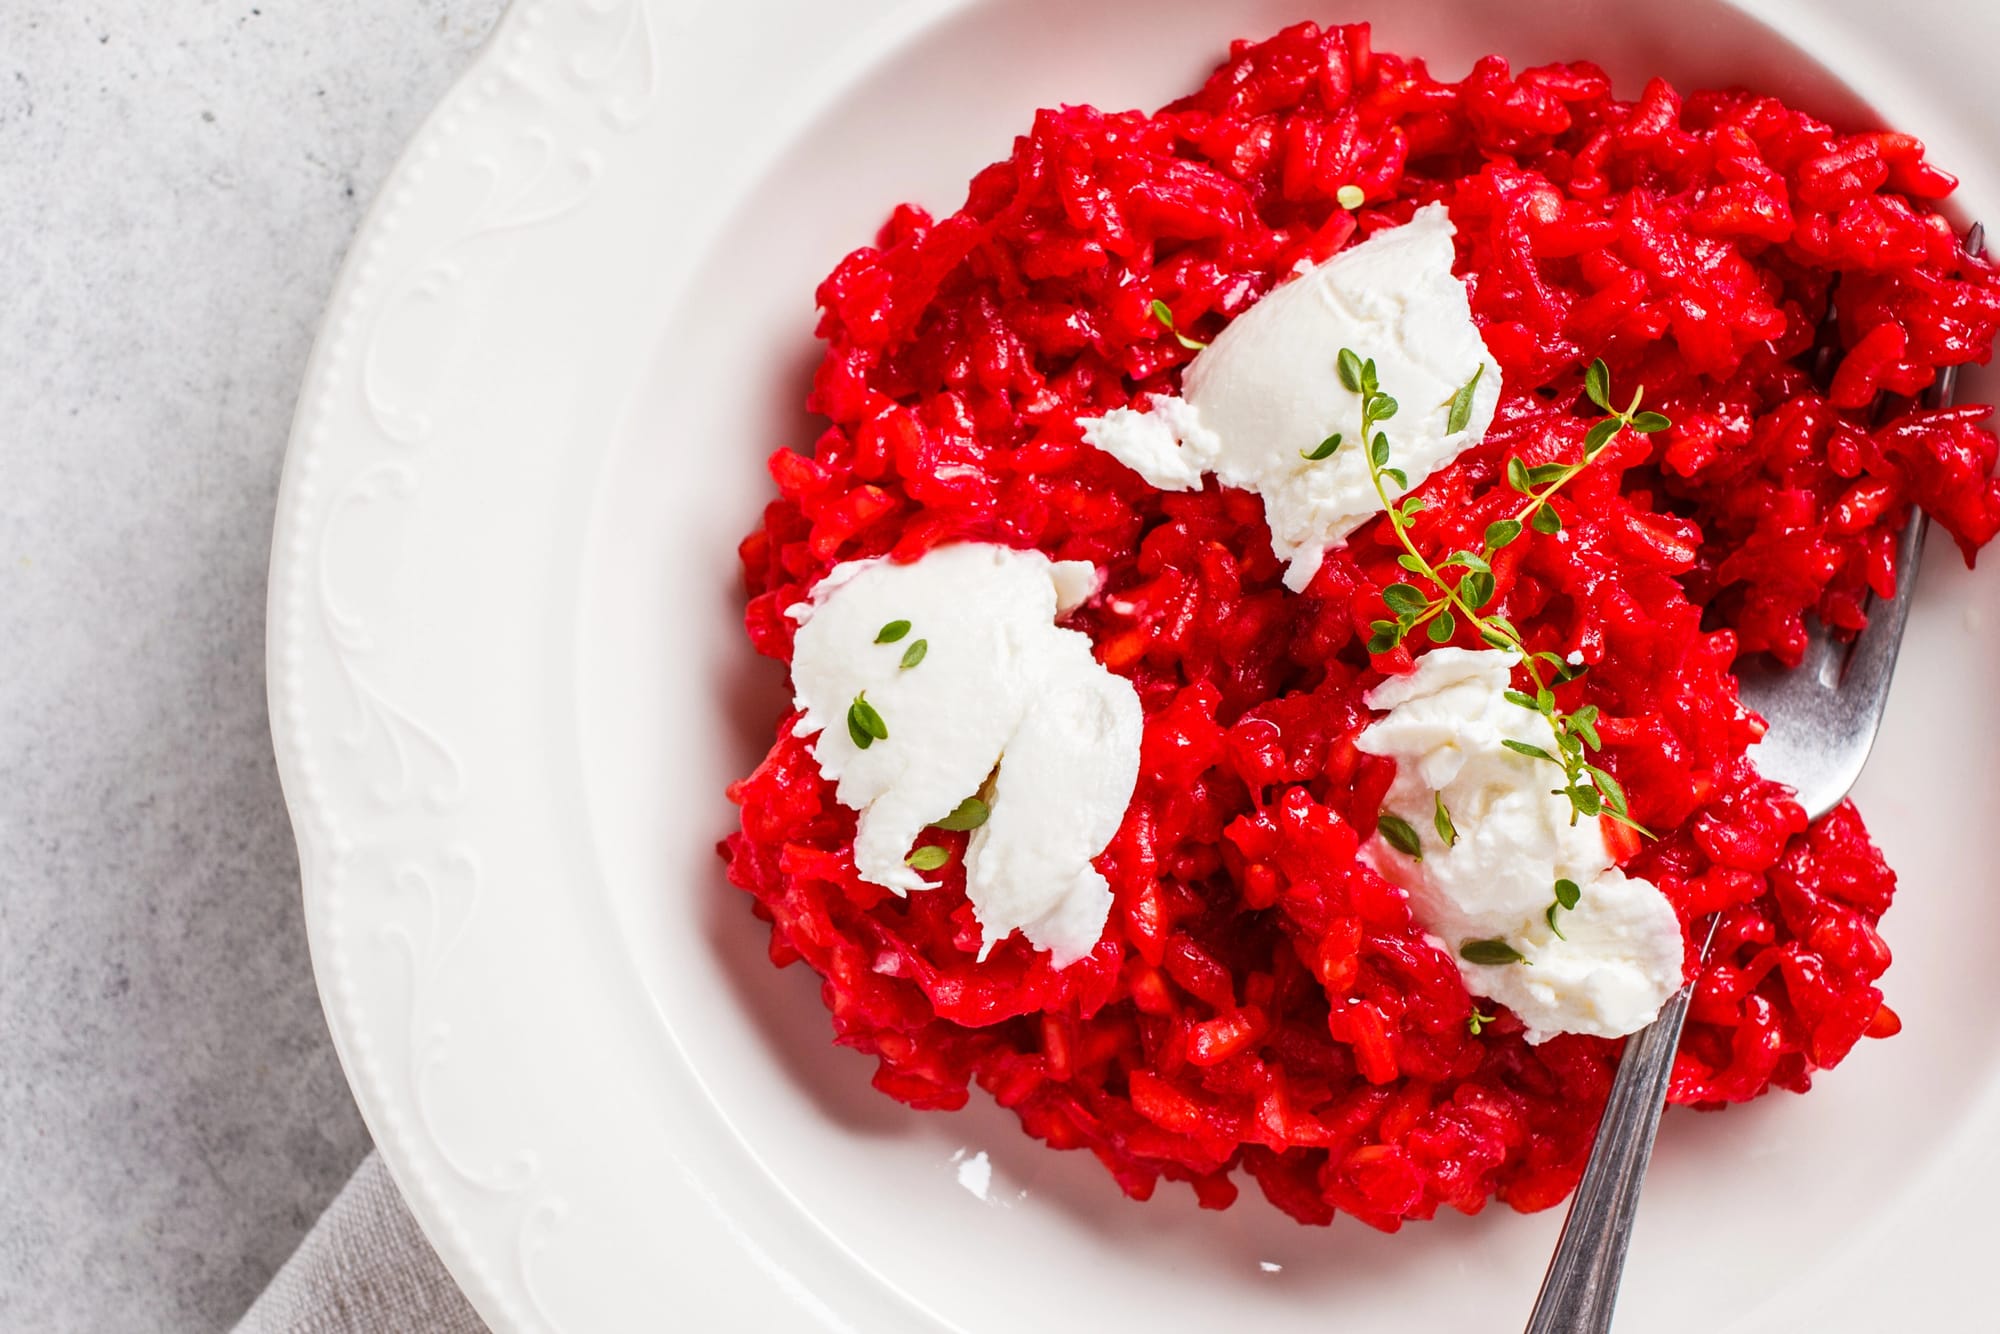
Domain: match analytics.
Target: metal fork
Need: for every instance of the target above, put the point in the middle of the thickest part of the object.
(1823, 716)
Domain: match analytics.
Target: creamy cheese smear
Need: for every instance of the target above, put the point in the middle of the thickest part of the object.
(1619, 956)
(1265, 391)
(998, 683)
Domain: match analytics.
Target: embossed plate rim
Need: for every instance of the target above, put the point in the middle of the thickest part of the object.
(401, 833)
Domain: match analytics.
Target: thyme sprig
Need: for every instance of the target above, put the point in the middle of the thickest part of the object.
(1491, 953)
(1568, 895)
(1461, 586)
(1441, 821)
(864, 725)
(1400, 835)
(967, 816)
(1165, 315)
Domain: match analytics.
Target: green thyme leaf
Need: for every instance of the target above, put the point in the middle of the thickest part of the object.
(864, 724)
(1544, 473)
(1550, 918)
(1385, 407)
(1568, 893)
(1490, 952)
(915, 653)
(1561, 666)
(1461, 403)
(892, 632)
(1443, 628)
(1386, 635)
(1614, 794)
(1469, 559)
(970, 814)
(1599, 435)
(1631, 824)
(1517, 476)
(1441, 820)
(1350, 371)
(1399, 477)
(1413, 564)
(1597, 384)
(1398, 834)
(1369, 384)
(1645, 423)
(1476, 589)
(928, 858)
(1529, 749)
(1501, 533)
(1379, 450)
(1583, 722)
(1633, 406)
(1546, 520)
(1520, 697)
(1478, 1021)
(1165, 315)
(1350, 197)
(1412, 506)
(1323, 451)
(1405, 597)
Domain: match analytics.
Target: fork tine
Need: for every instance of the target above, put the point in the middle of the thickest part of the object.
(1910, 549)
(1826, 339)
(1823, 716)
(1946, 388)
(1910, 543)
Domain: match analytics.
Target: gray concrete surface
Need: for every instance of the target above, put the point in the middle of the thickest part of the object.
(178, 181)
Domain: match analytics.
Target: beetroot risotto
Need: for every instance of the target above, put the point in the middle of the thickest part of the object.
(1261, 998)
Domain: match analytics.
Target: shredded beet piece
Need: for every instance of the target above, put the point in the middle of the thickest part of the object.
(1262, 999)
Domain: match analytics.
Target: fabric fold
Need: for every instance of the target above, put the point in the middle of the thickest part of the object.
(365, 1268)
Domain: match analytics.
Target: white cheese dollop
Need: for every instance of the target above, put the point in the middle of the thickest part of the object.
(1266, 391)
(1444, 728)
(999, 684)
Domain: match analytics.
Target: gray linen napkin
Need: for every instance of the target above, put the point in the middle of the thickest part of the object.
(365, 1268)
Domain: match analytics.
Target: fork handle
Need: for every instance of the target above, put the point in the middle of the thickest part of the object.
(1581, 1287)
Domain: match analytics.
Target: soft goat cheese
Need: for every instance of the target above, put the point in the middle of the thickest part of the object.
(1444, 728)
(1266, 391)
(999, 683)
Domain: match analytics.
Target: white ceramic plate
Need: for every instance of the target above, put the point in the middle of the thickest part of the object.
(508, 684)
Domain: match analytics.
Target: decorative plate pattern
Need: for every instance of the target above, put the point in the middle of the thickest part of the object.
(507, 684)
(377, 786)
